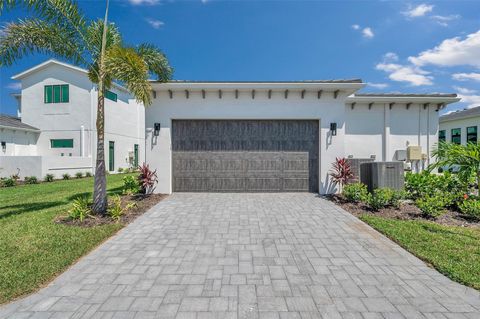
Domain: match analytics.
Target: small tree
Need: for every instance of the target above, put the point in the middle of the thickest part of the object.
(466, 158)
(341, 172)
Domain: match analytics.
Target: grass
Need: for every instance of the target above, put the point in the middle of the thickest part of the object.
(33, 248)
(453, 251)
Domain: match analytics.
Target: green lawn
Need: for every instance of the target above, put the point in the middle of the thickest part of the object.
(454, 251)
(34, 249)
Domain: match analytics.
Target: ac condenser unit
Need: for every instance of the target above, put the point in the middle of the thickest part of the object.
(382, 174)
(355, 166)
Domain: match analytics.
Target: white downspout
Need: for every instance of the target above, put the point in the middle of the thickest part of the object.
(82, 141)
(386, 131)
(428, 135)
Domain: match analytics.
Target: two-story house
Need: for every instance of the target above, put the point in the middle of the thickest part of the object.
(460, 127)
(56, 131)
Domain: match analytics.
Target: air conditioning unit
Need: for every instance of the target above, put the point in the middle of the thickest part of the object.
(355, 166)
(401, 155)
(382, 174)
(414, 153)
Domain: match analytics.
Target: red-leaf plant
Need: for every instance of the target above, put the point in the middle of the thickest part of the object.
(341, 172)
(147, 179)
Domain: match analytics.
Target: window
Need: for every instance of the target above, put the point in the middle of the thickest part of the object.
(442, 136)
(456, 135)
(472, 134)
(111, 96)
(56, 93)
(61, 143)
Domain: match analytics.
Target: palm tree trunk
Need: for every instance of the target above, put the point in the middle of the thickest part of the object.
(100, 185)
(100, 201)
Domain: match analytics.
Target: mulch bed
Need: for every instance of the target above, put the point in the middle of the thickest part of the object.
(406, 211)
(142, 204)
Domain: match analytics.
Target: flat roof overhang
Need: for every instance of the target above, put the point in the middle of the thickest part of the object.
(441, 100)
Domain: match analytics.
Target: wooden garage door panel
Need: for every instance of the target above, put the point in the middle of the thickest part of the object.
(245, 155)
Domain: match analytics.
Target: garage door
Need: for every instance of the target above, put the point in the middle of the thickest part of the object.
(245, 155)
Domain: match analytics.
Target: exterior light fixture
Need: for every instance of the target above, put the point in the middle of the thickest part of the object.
(4, 146)
(333, 129)
(156, 129)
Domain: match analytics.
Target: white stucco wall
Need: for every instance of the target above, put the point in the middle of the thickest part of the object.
(382, 131)
(39, 166)
(462, 124)
(18, 142)
(164, 110)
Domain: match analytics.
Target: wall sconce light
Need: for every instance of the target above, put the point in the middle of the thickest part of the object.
(156, 129)
(333, 129)
(4, 146)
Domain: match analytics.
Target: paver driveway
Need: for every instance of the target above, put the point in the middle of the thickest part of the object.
(249, 256)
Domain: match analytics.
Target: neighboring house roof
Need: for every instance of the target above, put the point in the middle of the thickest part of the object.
(50, 62)
(462, 114)
(281, 82)
(439, 98)
(13, 122)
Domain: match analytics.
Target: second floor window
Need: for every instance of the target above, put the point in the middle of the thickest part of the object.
(472, 134)
(442, 136)
(456, 135)
(110, 95)
(57, 93)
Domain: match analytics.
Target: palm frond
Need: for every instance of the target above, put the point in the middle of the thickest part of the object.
(125, 65)
(156, 61)
(29, 36)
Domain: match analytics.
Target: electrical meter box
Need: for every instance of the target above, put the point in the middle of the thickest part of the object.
(414, 153)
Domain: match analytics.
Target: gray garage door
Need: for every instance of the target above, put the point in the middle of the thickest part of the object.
(245, 155)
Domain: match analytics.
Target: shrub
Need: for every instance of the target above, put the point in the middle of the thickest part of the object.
(78, 175)
(341, 172)
(66, 176)
(470, 207)
(115, 209)
(88, 174)
(80, 208)
(31, 180)
(15, 177)
(8, 182)
(48, 178)
(147, 179)
(355, 192)
(431, 205)
(120, 170)
(130, 185)
(381, 197)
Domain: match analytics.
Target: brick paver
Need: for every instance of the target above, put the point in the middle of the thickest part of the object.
(248, 256)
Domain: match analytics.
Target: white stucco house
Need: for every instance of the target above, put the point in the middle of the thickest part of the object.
(55, 130)
(460, 127)
(279, 136)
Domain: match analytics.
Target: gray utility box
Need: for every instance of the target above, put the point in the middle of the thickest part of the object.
(382, 174)
(355, 166)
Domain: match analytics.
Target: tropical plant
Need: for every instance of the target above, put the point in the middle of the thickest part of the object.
(59, 28)
(355, 192)
(115, 209)
(78, 175)
(465, 159)
(49, 178)
(31, 180)
(130, 185)
(431, 205)
(341, 172)
(147, 179)
(470, 207)
(8, 182)
(81, 208)
(66, 176)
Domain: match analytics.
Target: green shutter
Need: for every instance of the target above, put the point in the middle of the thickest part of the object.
(56, 94)
(110, 95)
(48, 94)
(65, 93)
(111, 156)
(61, 143)
(135, 154)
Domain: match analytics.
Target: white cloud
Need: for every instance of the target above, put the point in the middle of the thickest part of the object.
(368, 33)
(390, 57)
(14, 86)
(419, 11)
(444, 20)
(463, 90)
(378, 85)
(466, 76)
(452, 52)
(472, 100)
(406, 73)
(142, 2)
(355, 26)
(156, 24)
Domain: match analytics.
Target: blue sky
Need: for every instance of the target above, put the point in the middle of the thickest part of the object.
(395, 46)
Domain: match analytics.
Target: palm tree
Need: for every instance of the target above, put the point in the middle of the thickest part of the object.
(465, 158)
(59, 28)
